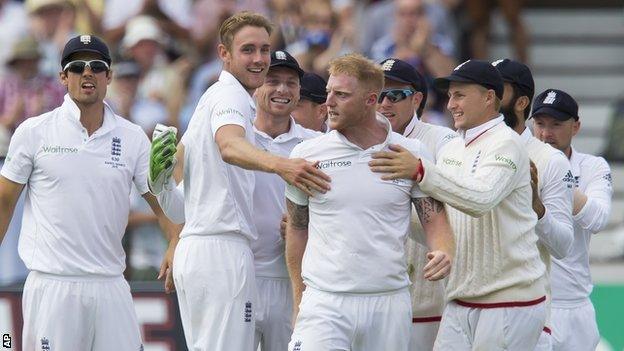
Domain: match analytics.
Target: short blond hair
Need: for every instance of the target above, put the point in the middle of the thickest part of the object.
(236, 22)
(368, 73)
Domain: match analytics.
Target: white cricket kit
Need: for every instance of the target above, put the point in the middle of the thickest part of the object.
(274, 312)
(213, 263)
(573, 317)
(484, 179)
(75, 214)
(354, 266)
(427, 296)
(554, 229)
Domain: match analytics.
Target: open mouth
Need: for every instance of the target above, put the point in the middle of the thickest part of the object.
(255, 70)
(283, 101)
(389, 114)
(88, 86)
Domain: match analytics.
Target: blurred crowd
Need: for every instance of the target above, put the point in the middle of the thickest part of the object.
(165, 58)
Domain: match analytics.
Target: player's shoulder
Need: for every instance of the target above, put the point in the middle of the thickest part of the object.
(591, 163)
(127, 127)
(314, 145)
(305, 133)
(441, 133)
(406, 142)
(39, 122)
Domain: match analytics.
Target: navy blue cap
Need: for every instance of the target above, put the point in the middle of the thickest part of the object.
(401, 71)
(313, 88)
(88, 43)
(556, 103)
(281, 58)
(517, 73)
(474, 72)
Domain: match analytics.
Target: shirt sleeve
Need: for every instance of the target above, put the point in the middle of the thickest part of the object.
(231, 107)
(478, 193)
(292, 192)
(555, 229)
(141, 168)
(594, 216)
(19, 162)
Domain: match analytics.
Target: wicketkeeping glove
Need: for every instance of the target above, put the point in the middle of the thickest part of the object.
(162, 158)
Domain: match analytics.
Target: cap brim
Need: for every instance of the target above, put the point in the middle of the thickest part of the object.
(549, 111)
(299, 71)
(442, 84)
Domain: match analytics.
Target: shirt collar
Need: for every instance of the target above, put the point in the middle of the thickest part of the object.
(293, 133)
(411, 125)
(473, 133)
(526, 135)
(73, 113)
(228, 78)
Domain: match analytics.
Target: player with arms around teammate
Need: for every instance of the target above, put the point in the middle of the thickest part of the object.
(556, 122)
(496, 287)
(550, 172)
(346, 247)
(276, 132)
(213, 266)
(402, 101)
(77, 164)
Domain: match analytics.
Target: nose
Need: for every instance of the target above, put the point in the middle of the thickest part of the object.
(451, 105)
(331, 101)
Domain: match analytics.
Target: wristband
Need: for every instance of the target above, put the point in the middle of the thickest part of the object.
(419, 173)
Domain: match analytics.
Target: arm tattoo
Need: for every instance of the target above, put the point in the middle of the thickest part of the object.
(426, 206)
(297, 215)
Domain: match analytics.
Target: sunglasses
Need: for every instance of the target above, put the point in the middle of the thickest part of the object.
(78, 66)
(395, 95)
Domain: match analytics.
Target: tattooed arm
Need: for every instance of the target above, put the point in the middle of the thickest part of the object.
(439, 237)
(296, 240)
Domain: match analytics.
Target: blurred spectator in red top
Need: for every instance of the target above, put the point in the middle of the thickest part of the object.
(24, 91)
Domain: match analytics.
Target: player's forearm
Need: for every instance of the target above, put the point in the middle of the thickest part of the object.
(172, 203)
(239, 152)
(296, 240)
(9, 194)
(555, 233)
(438, 233)
(170, 230)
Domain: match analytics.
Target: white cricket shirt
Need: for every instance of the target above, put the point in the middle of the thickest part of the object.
(357, 230)
(433, 136)
(218, 197)
(270, 203)
(570, 276)
(77, 189)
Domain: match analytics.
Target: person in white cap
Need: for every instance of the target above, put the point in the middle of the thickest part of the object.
(78, 164)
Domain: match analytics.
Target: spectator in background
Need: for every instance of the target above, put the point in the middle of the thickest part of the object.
(480, 12)
(160, 82)
(24, 91)
(311, 111)
(52, 23)
(413, 40)
(324, 35)
(89, 16)
(14, 26)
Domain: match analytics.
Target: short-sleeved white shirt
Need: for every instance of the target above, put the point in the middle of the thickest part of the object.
(218, 197)
(77, 189)
(270, 204)
(357, 230)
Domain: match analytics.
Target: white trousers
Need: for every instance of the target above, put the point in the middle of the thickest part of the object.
(216, 288)
(575, 329)
(78, 313)
(273, 315)
(484, 329)
(354, 322)
(544, 343)
(424, 335)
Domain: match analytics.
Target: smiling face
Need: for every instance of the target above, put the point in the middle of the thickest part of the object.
(279, 94)
(399, 113)
(87, 88)
(248, 57)
(470, 104)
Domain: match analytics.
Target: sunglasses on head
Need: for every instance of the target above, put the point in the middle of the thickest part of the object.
(78, 66)
(395, 95)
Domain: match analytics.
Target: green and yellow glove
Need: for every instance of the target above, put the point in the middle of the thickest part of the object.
(162, 158)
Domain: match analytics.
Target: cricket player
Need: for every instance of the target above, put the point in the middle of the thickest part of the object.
(346, 247)
(551, 176)
(77, 164)
(573, 319)
(213, 267)
(311, 111)
(402, 101)
(277, 132)
(496, 289)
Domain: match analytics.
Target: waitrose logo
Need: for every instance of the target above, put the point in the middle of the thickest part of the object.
(57, 149)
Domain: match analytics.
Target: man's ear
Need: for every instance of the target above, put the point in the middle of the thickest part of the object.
(63, 78)
(522, 103)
